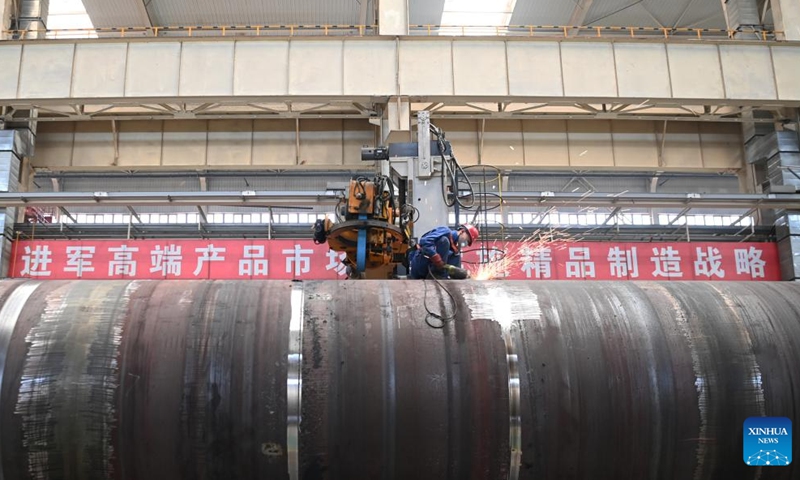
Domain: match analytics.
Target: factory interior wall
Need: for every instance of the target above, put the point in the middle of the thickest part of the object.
(336, 143)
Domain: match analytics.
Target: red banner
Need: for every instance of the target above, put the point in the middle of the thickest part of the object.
(301, 259)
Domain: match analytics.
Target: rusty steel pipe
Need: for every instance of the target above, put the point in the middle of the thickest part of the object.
(344, 380)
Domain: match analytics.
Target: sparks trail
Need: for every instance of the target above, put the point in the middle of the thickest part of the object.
(497, 261)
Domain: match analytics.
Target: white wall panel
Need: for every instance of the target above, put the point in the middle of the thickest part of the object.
(635, 144)
(722, 145)
(153, 69)
(695, 71)
(748, 71)
(370, 66)
(230, 142)
(261, 68)
(356, 134)
(99, 70)
(9, 72)
(274, 142)
(185, 143)
(590, 143)
(54, 143)
(588, 69)
(333, 143)
(321, 142)
(46, 70)
(206, 69)
(787, 72)
(479, 68)
(503, 144)
(315, 67)
(642, 70)
(94, 145)
(426, 67)
(534, 69)
(682, 146)
(546, 143)
(140, 143)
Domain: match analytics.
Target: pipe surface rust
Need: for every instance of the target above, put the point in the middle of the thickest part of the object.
(150, 380)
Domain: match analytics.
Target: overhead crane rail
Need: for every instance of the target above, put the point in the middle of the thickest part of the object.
(544, 31)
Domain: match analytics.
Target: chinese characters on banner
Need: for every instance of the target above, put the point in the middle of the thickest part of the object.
(302, 259)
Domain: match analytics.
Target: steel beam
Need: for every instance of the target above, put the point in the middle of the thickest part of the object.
(283, 199)
(217, 70)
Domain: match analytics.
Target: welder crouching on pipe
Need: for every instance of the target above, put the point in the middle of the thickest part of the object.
(438, 253)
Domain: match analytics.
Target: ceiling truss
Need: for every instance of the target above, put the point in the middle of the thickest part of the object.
(510, 110)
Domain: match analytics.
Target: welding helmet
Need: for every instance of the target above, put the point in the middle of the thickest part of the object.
(471, 230)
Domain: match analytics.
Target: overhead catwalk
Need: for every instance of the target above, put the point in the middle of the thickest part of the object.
(346, 380)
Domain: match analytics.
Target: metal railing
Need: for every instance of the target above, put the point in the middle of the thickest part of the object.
(543, 31)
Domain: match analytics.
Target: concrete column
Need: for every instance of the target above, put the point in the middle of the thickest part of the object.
(787, 18)
(12, 150)
(393, 17)
(396, 121)
(5, 16)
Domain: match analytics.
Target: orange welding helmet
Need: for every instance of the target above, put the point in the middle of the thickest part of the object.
(471, 230)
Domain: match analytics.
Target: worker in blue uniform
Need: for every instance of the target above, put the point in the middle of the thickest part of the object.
(438, 253)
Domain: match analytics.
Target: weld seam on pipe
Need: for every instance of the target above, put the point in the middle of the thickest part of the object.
(294, 381)
(514, 407)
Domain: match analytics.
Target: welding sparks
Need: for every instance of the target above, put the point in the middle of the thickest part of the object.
(499, 261)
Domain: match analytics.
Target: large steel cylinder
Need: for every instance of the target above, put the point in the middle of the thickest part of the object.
(346, 380)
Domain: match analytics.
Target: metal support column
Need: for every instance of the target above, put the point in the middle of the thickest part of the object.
(427, 182)
(12, 150)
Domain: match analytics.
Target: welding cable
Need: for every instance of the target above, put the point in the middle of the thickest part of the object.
(450, 171)
(442, 318)
(338, 210)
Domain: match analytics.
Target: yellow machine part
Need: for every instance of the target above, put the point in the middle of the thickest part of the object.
(384, 244)
(362, 198)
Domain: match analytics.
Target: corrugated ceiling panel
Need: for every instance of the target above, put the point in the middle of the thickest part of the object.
(704, 14)
(425, 12)
(601, 10)
(254, 12)
(120, 13)
(635, 16)
(700, 13)
(542, 12)
(116, 13)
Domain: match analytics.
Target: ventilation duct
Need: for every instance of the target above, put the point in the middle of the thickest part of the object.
(741, 14)
(33, 17)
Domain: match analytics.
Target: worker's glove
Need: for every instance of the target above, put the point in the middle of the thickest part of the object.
(437, 262)
(457, 273)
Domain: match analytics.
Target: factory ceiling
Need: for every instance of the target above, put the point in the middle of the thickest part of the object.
(645, 13)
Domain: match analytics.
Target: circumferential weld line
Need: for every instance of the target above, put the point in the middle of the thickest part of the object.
(514, 412)
(294, 381)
